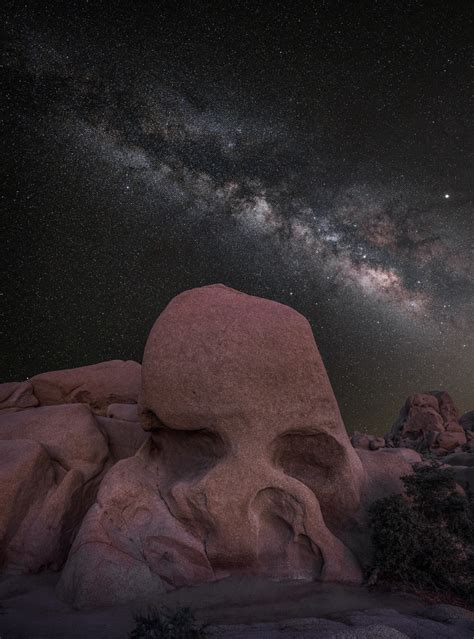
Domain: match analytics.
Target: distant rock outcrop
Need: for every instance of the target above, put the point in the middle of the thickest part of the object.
(429, 422)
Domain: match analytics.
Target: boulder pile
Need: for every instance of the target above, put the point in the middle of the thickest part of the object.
(429, 424)
(54, 452)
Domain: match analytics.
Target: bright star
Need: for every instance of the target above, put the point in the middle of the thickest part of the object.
(446, 196)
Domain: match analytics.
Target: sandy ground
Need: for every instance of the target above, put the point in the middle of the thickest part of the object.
(238, 608)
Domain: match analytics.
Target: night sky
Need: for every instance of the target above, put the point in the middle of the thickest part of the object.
(315, 153)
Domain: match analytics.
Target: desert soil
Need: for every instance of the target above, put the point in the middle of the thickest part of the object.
(237, 608)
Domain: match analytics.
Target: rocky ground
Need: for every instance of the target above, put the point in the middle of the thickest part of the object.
(239, 608)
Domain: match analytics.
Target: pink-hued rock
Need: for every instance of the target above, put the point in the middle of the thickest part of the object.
(376, 443)
(447, 409)
(98, 385)
(248, 469)
(55, 458)
(26, 477)
(384, 469)
(124, 438)
(454, 427)
(420, 402)
(130, 547)
(69, 433)
(124, 412)
(425, 421)
(16, 396)
(448, 441)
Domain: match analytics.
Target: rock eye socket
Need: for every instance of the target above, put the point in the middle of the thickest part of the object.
(187, 454)
(312, 458)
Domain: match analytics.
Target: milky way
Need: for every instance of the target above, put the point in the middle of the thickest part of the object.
(273, 195)
(390, 246)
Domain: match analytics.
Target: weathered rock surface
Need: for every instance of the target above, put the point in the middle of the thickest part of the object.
(130, 546)
(15, 396)
(26, 477)
(384, 468)
(52, 461)
(98, 385)
(124, 412)
(248, 468)
(124, 438)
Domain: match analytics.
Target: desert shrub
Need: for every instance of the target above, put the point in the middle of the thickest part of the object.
(426, 538)
(167, 624)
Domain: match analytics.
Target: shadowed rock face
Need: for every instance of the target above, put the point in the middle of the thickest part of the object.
(248, 468)
(52, 460)
(16, 396)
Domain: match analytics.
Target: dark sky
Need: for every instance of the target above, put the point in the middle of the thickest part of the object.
(315, 153)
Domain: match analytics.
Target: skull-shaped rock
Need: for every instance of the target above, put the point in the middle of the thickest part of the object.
(248, 468)
(253, 456)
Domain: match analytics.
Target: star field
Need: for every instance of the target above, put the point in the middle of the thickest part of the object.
(318, 155)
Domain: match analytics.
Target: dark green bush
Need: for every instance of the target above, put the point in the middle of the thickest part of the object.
(426, 538)
(167, 624)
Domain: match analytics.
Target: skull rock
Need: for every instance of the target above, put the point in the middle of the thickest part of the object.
(248, 456)
(254, 455)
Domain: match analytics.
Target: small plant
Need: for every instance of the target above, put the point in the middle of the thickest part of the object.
(426, 539)
(167, 624)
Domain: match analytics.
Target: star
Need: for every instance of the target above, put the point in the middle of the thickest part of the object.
(446, 196)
